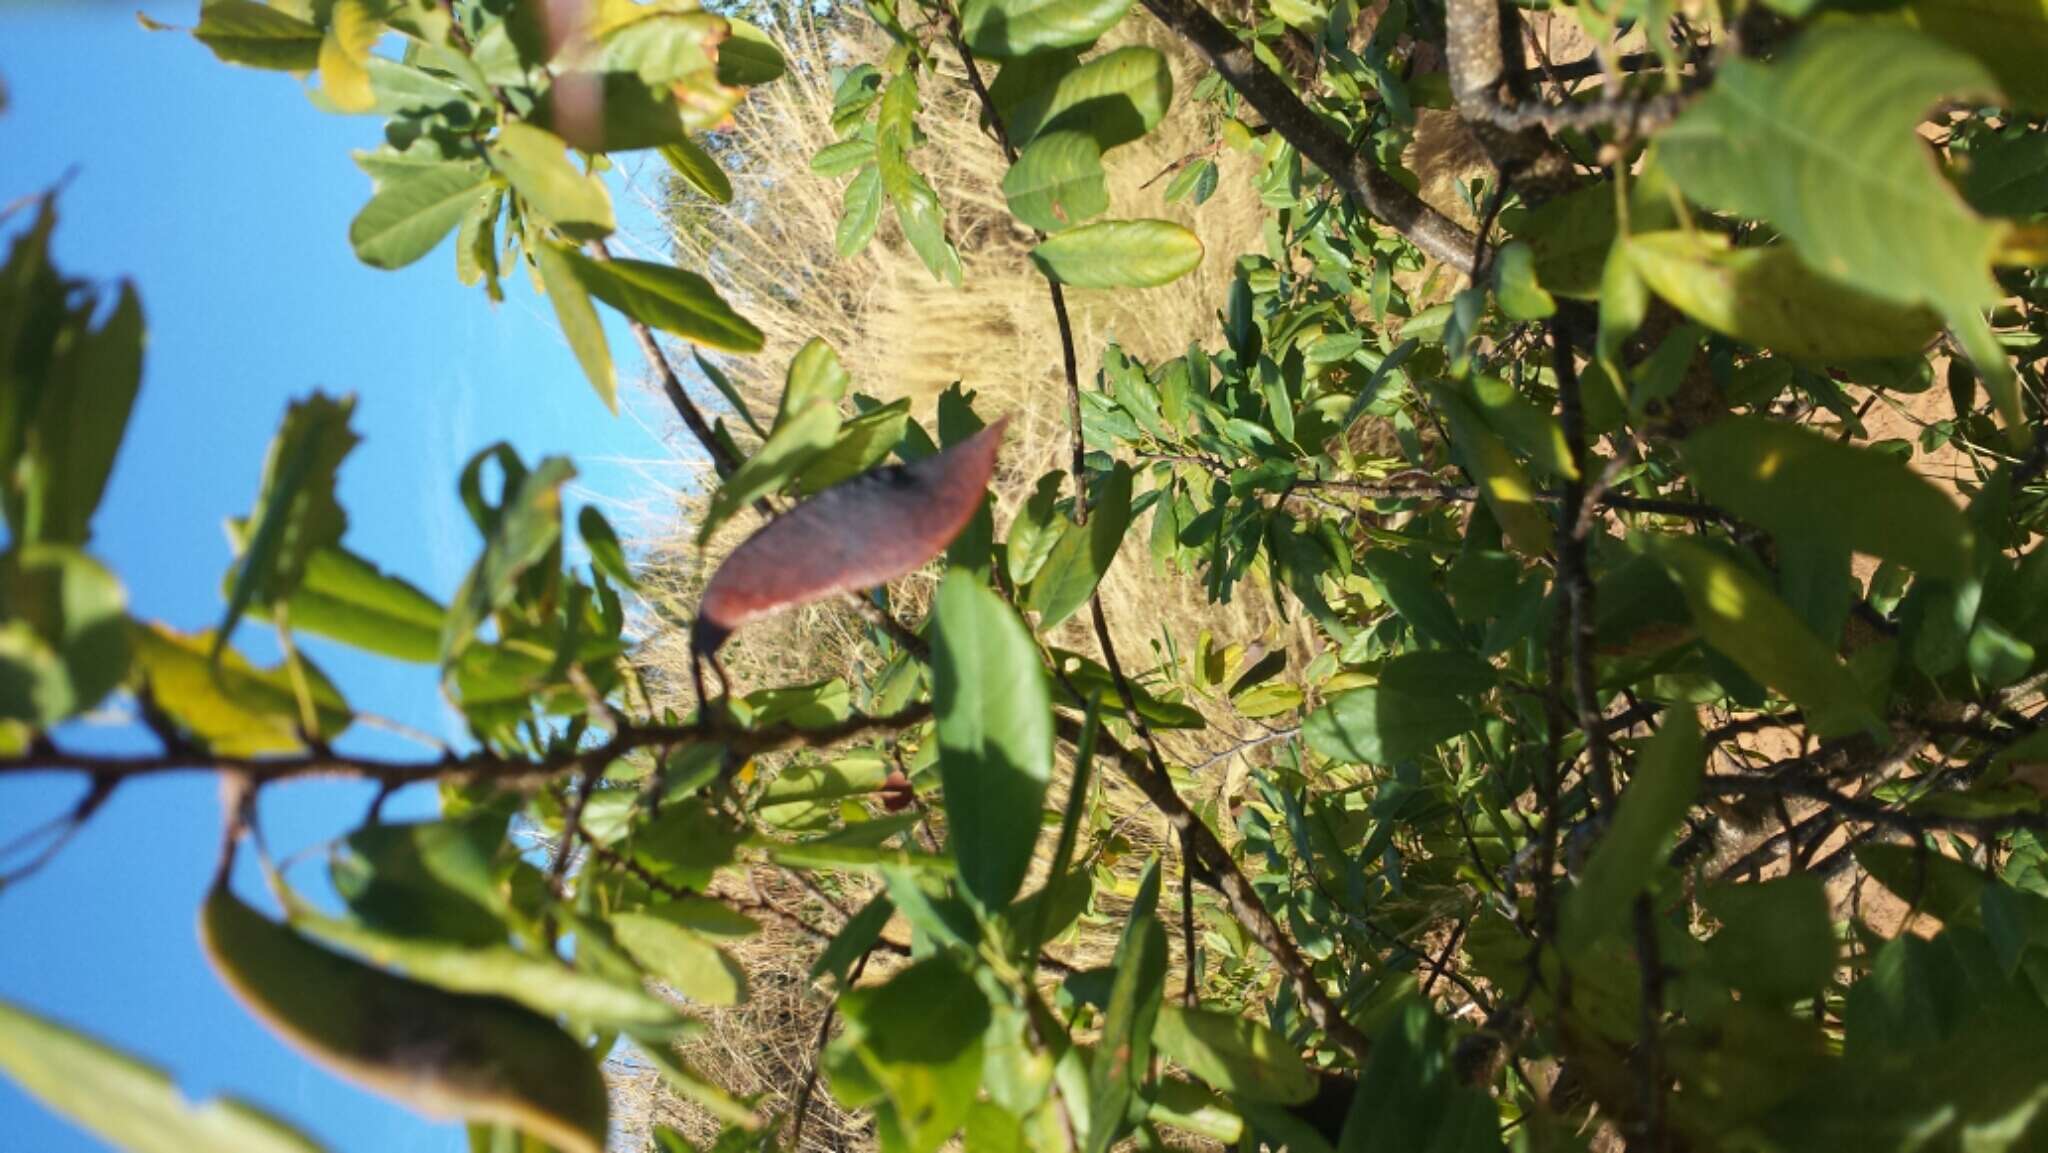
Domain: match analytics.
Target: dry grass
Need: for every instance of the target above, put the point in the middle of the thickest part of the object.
(900, 333)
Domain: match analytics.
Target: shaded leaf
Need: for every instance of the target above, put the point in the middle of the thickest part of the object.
(444, 1054)
(524, 530)
(1081, 557)
(1235, 1054)
(1661, 789)
(258, 35)
(681, 958)
(665, 297)
(296, 513)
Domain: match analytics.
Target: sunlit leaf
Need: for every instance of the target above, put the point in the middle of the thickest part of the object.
(1005, 28)
(352, 29)
(125, 1102)
(1120, 254)
(228, 704)
(1113, 98)
(918, 211)
(682, 959)
(995, 736)
(1748, 624)
(1821, 142)
(258, 35)
(536, 162)
(1803, 486)
(1767, 297)
(1057, 182)
(1235, 1054)
(578, 318)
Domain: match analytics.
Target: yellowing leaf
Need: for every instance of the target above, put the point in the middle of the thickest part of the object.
(229, 705)
(1766, 297)
(345, 56)
(1823, 143)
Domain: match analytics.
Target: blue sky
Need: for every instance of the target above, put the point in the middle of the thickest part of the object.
(226, 196)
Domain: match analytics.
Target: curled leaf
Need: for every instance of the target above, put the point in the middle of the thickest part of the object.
(444, 1054)
(867, 531)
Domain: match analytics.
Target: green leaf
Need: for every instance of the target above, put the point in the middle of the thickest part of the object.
(1057, 182)
(1749, 625)
(1120, 254)
(1822, 143)
(2010, 37)
(128, 1103)
(916, 1042)
(1662, 788)
(748, 57)
(681, 958)
(860, 212)
(995, 736)
(666, 297)
(544, 985)
(1410, 1097)
(1237, 1055)
(1382, 725)
(2008, 174)
(1515, 285)
(227, 704)
(258, 35)
(1777, 939)
(1408, 583)
(578, 318)
(296, 514)
(846, 156)
(634, 115)
(1035, 531)
(536, 162)
(1802, 486)
(1083, 554)
(699, 168)
(78, 423)
(525, 529)
(63, 634)
(1115, 98)
(343, 597)
(606, 553)
(1502, 481)
(445, 1054)
(1938, 885)
(1123, 1057)
(795, 445)
(918, 211)
(864, 442)
(815, 377)
(1006, 28)
(1768, 298)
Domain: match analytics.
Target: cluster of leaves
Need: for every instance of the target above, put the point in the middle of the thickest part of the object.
(1577, 540)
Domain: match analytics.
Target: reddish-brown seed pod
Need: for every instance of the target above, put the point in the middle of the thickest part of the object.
(896, 791)
(855, 535)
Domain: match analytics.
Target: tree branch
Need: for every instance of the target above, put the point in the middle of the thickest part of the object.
(1372, 189)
